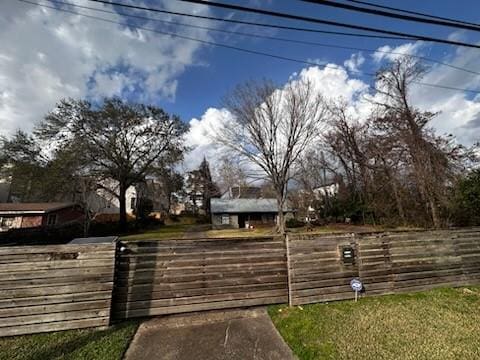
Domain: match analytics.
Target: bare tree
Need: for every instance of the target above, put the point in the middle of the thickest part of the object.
(230, 174)
(272, 127)
(431, 158)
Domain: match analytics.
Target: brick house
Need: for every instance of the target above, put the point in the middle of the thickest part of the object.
(38, 215)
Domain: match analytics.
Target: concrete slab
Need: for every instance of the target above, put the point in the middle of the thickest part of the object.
(214, 335)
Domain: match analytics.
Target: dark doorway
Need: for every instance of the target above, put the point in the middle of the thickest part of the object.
(241, 221)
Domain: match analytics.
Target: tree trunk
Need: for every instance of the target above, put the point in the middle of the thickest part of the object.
(123, 207)
(86, 224)
(398, 200)
(280, 216)
(435, 216)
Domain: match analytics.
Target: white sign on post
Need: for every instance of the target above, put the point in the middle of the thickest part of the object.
(356, 286)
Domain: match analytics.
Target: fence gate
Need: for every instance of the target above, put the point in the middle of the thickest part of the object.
(321, 267)
(174, 276)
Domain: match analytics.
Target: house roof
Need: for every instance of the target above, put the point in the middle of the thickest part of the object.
(226, 206)
(31, 208)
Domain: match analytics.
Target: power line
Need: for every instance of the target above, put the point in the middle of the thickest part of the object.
(255, 52)
(326, 22)
(242, 22)
(393, 15)
(275, 38)
(412, 12)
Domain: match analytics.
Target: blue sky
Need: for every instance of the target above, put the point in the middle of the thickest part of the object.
(226, 68)
(48, 54)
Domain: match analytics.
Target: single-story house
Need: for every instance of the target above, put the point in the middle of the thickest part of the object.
(38, 215)
(244, 213)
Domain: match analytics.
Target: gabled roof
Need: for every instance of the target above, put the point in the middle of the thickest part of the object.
(226, 206)
(31, 208)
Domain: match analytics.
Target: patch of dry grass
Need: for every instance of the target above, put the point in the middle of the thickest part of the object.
(261, 231)
(175, 231)
(439, 324)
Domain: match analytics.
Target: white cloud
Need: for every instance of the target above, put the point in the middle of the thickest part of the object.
(459, 111)
(200, 137)
(355, 61)
(47, 55)
(387, 52)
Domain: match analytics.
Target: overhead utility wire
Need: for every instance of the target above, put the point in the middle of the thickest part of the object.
(235, 47)
(392, 15)
(274, 26)
(412, 12)
(275, 38)
(326, 22)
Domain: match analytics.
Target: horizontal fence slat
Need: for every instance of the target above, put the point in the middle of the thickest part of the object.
(387, 263)
(55, 326)
(55, 287)
(189, 275)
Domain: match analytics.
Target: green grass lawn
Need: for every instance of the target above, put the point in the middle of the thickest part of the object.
(91, 344)
(438, 324)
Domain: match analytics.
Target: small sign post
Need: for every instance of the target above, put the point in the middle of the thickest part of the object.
(356, 286)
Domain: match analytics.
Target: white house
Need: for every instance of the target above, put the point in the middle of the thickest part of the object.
(103, 200)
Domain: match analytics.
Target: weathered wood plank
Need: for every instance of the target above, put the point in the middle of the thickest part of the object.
(175, 294)
(60, 264)
(158, 283)
(212, 269)
(139, 263)
(52, 317)
(54, 273)
(54, 326)
(30, 258)
(54, 308)
(48, 290)
(54, 299)
(66, 280)
(146, 277)
(152, 311)
(190, 300)
(38, 249)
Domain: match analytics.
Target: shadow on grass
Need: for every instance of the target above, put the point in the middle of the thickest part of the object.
(71, 344)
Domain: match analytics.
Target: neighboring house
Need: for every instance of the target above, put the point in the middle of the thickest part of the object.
(245, 213)
(38, 215)
(329, 190)
(155, 191)
(104, 202)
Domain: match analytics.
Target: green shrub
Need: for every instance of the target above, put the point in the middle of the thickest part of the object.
(294, 223)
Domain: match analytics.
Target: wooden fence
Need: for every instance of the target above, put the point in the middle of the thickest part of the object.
(385, 262)
(55, 287)
(316, 270)
(174, 276)
(58, 287)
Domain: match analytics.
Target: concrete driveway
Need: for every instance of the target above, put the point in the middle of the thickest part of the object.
(214, 335)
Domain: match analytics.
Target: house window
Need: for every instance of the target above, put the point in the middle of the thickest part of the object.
(225, 219)
(51, 219)
(6, 222)
(132, 203)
